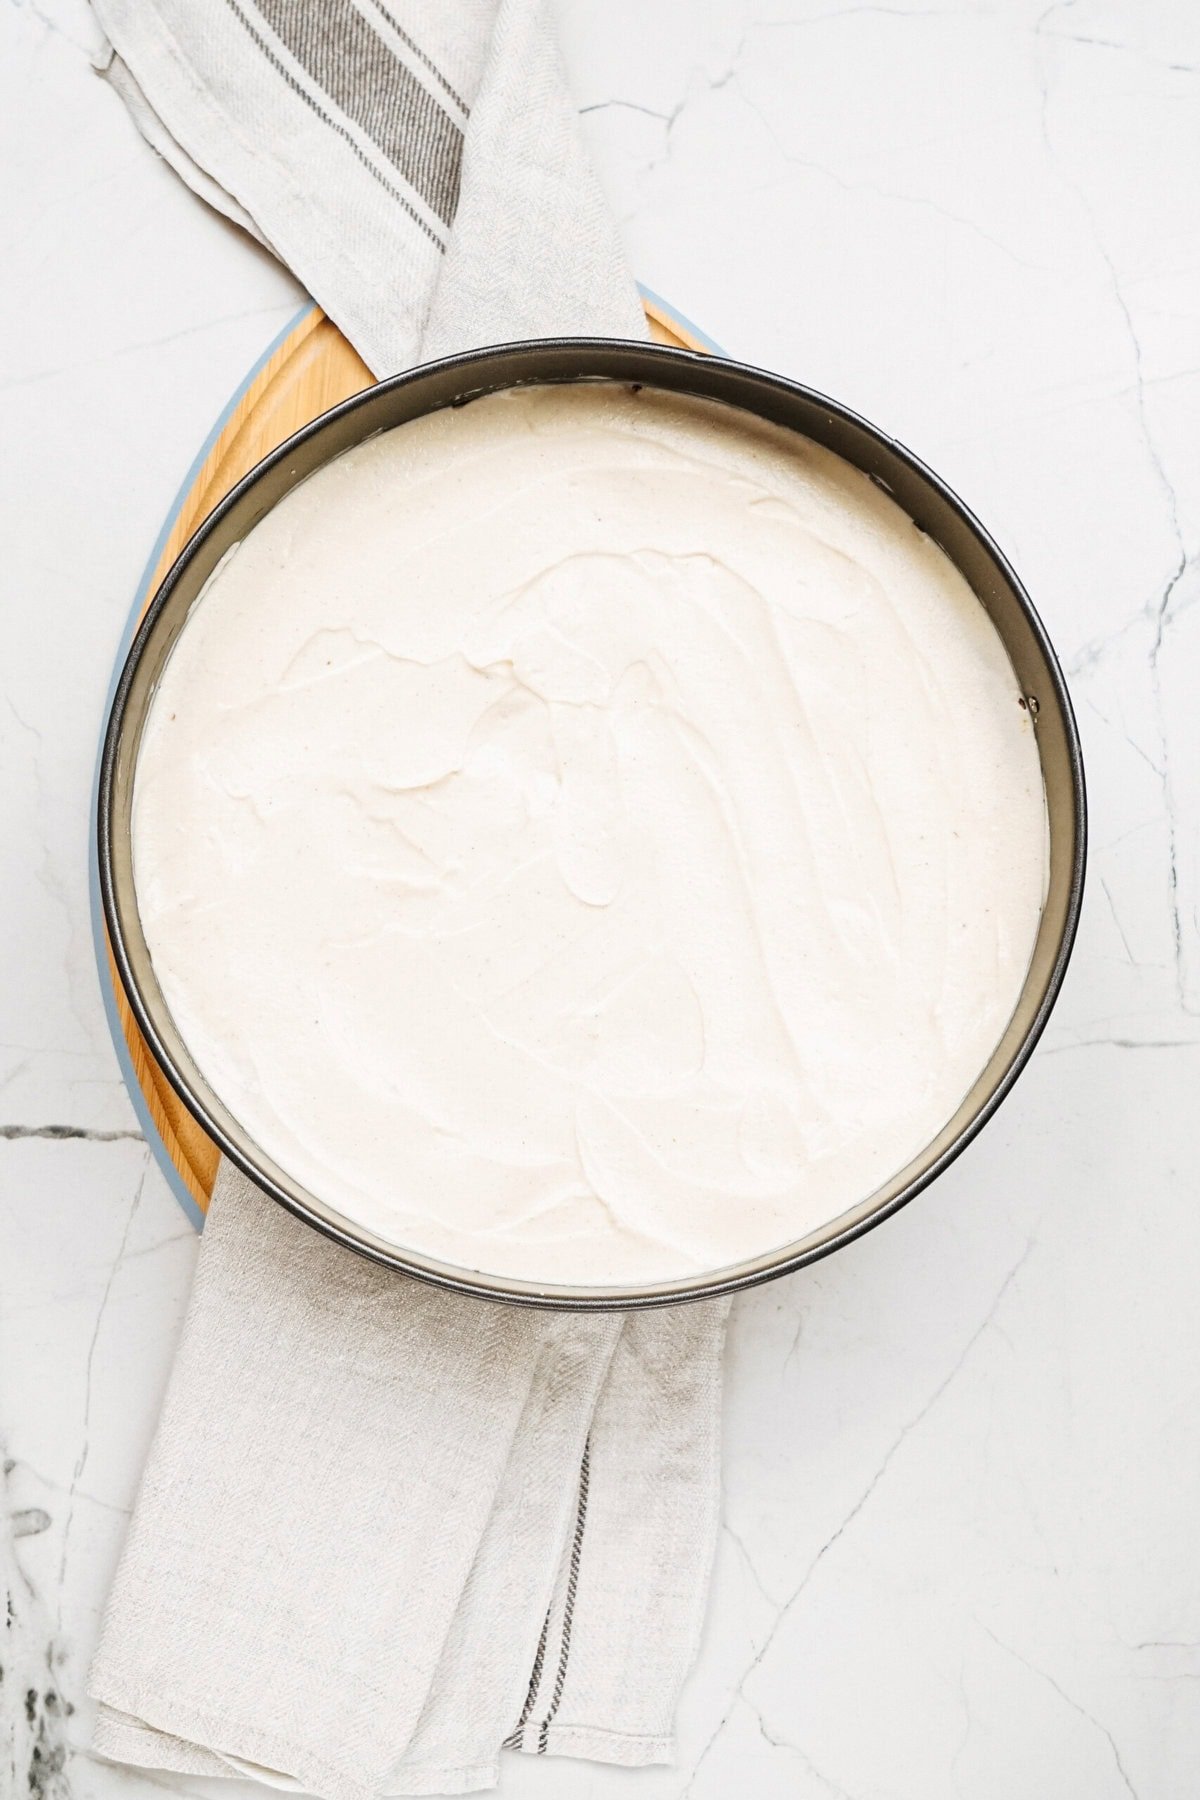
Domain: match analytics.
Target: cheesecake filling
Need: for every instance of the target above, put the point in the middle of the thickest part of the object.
(589, 836)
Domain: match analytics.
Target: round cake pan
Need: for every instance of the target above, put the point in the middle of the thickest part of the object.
(926, 499)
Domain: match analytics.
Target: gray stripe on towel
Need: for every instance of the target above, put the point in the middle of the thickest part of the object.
(569, 1608)
(333, 124)
(347, 57)
(513, 1740)
(426, 62)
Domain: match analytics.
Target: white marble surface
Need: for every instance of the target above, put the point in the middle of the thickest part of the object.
(963, 1458)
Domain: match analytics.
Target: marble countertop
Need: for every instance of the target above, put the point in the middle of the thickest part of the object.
(962, 1460)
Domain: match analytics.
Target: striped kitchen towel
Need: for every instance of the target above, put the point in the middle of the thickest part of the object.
(418, 165)
(385, 1532)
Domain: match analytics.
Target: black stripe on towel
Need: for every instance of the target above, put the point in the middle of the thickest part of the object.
(333, 124)
(346, 56)
(513, 1740)
(426, 61)
(569, 1609)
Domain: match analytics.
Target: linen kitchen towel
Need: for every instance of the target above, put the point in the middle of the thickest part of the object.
(384, 1532)
(417, 165)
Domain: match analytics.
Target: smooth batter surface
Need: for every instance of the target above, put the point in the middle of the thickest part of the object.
(589, 836)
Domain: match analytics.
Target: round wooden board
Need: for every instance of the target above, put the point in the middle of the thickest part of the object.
(309, 368)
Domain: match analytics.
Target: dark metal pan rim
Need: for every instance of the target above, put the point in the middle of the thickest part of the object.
(454, 381)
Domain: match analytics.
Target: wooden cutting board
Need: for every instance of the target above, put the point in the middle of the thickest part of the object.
(309, 368)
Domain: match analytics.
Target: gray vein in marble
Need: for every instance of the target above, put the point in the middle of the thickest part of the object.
(57, 1487)
(794, 1346)
(729, 76)
(283, 310)
(1091, 1718)
(62, 1133)
(1172, 839)
(59, 27)
(1123, 47)
(921, 201)
(917, 1419)
(1122, 1043)
(86, 1447)
(57, 887)
(33, 1747)
(29, 1521)
(861, 187)
(1155, 768)
(1096, 649)
(748, 1561)
(186, 1234)
(836, 14)
(1116, 918)
(1159, 608)
(781, 1743)
(14, 1074)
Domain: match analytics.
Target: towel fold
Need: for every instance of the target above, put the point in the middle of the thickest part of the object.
(418, 166)
(383, 1531)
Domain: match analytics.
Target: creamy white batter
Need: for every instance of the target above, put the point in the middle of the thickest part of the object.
(589, 836)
